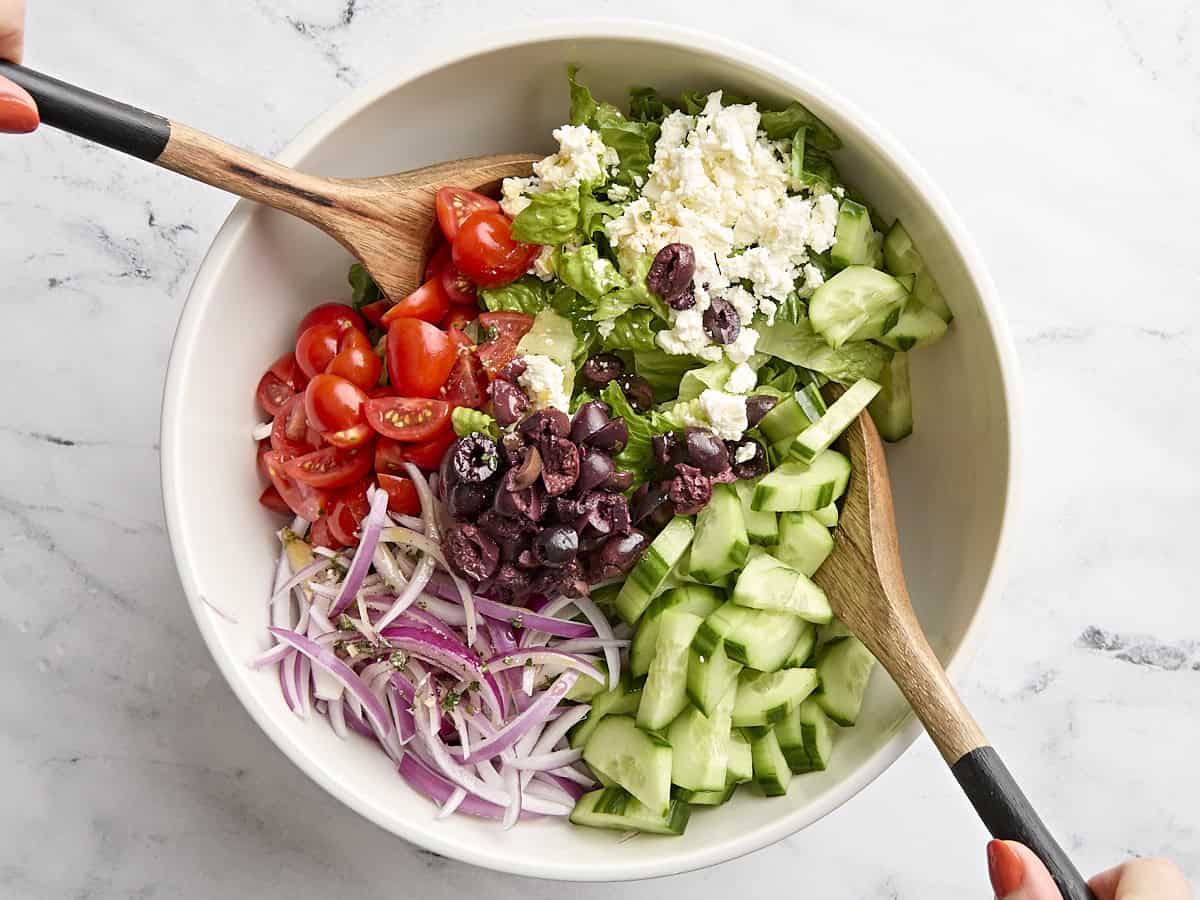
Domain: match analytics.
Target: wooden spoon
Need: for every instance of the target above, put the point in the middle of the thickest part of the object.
(385, 221)
(864, 580)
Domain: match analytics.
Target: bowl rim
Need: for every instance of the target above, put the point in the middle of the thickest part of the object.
(444, 53)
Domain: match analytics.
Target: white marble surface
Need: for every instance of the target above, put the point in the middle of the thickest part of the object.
(1067, 134)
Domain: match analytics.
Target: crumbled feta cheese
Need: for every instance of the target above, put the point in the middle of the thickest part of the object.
(744, 303)
(768, 308)
(580, 157)
(741, 379)
(542, 382)
(687, 335)
(823, 223)
(543, 264)
(618, 192)
(513, 199)
(813, 279)
(726, 413)
(742, 347)
(744, 453)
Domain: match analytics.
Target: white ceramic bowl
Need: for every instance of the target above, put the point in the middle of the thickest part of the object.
(953, 478)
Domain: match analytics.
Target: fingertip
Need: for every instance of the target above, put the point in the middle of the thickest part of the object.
(18, 112)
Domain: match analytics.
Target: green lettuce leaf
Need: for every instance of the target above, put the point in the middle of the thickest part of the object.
(801, 346)
(593, 213)
(577, 310)
(697, 381)
(635, 457)
(783, 123)
(633, 330)
(468, 421)
(632, 140)
(693, 102)
(550, 218)
(634, 294)
(663, 370)
(528, 294)
(364, 290)
(792, 309)
(586, 272)
(646, 106)
(583, 104)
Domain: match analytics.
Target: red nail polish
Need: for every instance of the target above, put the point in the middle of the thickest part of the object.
(18, 114)
(1005, 868)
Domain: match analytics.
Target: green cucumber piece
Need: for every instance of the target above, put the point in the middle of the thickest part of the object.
(802, 652)
(708, 798)
(892, 408)
(638, 761)
(857, 304)
(900, 256)
(819, 436)
(796, 487)
(758, 638)
(834, 631)
(764, 698)
(711, 675)
(692, 598)
(700, 747)
(804, 543)
(664, 695)
(721, 543)
(856, 242)
(741, 764)
(784, 421)
(586, 687)
(771, 772)
(653, 568)
(616, 808)
(767, 583)
(844, 667)
(827, 515)
(806, 737)
(762, 525)
(621, 700)
(917, 326)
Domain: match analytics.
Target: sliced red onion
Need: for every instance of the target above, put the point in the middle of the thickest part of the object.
(272, 657)
(545, 762)
(551, 792)
(450, 613)
(523, 618)
(468, 604)
(416, 540)
(449, 655)
(429, 511)
(571, 773)
(453, 803)
(312, 569)
(412, 590)
(372, 526)
(572, 789)
(426, 781)
(612, 659)
(544, 656)
(423, 618)
(304, 681)
(337, 718)
(557, 730)
(287, 681)
(402, 715)
(537, 713)
(590, 645)
(512, 781)
(528, 680)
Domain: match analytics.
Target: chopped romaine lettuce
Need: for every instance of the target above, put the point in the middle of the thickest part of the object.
(364, 290)
(697, 381)
(663, 370)
(527, 295)
(550, 218)
(633, 330)
(636, 455)
(467, 421)
(586, 272)
(785, 122)
(552, 336)
(646, 106)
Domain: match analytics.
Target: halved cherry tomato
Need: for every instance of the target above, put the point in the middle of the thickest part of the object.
(373, 312)
(384, 391)
(349, 509)
(457, 286)
(455, 205)
(467, 384)
(333, 403)
(291, 433)
(279, 383)
(356, 360)
(316, 347)
(390, 456)
(428, 302)
(329, 467)
(439, 259)
(305, 500)
(408, 419)
(354, 436)
(271, 499)
(458, 318)
(264, 447)
(419, 357)
(402, 495)
(501, 332)
(320, 536)
(338, 314)
(459, 339)
(486, 253)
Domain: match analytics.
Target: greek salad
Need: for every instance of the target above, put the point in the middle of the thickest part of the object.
(555, 515)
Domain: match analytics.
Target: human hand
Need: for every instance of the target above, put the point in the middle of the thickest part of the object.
(1017, 874)
(18, 112)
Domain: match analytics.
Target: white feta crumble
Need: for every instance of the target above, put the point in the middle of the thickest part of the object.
(687, 335)
(744, 303)
(742, 347)
(543, 264)
(726, 413)
(542, 382)
(823, 223)
(813, 279)
(605, 327)
(744, 453)
(617, 192)
(741, 379)
(580, 157)
(513, 199)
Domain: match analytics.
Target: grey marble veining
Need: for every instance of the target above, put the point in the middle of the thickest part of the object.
(1067, 136)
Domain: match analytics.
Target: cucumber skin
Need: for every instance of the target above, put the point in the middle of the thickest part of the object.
(723, 513)
(653, 568)
(771, 771)
(614, 801)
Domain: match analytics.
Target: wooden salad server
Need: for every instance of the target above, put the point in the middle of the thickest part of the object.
(864, 580)
(384, 221)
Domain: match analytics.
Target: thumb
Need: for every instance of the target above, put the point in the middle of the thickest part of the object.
(18, 112)
(1017, 874)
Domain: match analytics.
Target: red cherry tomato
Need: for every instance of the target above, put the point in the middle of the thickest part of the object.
(459, 318)
(402, 495)
(333, 403)
(305, 500)
(373, 312)
(355, 436)
(264, 447)
(320, 536)
(329, 467)
(439, 259)
(390, 456)
(408, 419)
(349, 508)
(385, 391)
(291, 433)
(428, 302)
(501, 332)
(271, 499)
(457, 287)
(467, 384)
(486, 253)
(279, 383)
(419, 357)
(455, 206)
(337, 314)
(356, 360)
(459, 339)
(316, 347)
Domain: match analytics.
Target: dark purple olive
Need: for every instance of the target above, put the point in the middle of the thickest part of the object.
(606, 513)
(757, 407)
(560, 465)
(544, 425)
(508, 579)
(476, 458)
(471, 553)
(526, 472)
(446, 477)
(752, 465)
(600, 369)
(512, 448)
(589, 418)
(670, 274)
(667, 448)
(684, 300)
(690, 490)
(567, 510)
(612, 437)
(527, 559)
(556, 546)
(619, 481)
(513, 370)
(706, 451)
(721, 321)
(649, 501)
(637, 391)
(619, 554)
(595, 468)
(466, 499)
(509, 402)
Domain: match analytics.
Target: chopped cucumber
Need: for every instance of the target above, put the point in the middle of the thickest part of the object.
(827, 515)
(638, 761)
(804, 543)
(664, 694)
(696, 381)
(758, 638)
(857, 244)
(802, 652)
(901, 258)
(771, 772)
(784, 421)
(700, 747)
(551, 335)
(857, 304)
(819, 436)
(711, 675)
(796, 487)
(844, 667)
(693, 598)
(892, 408)
(586, 687)
(619, 701)
(918, 325)
(834, 631)
(762, 525)
(764, 698)
(806, 737)
(741, 764)
(767, 583)
(616, 808)
(708, 798)
(721, 542)
(652, 569)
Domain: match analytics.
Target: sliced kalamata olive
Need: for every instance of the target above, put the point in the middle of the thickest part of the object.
(560, 465)
(612, 437)
(619, 554)
(690, 490)
(509, 402)
(751, 466)
(671, 272)
(513, 370)
(466, 499)
(526, 472)
(649, 499)
(446, 475)
(668, 449)
(600, 369)
(607, 513)
(471, 553)
(619, 481)
(557, 580)
(706, 451)
(530, 502)
(721, 321)
(589, 418)
(567, 510)
(527, 559)
(508, 579)
(544, 425)
(637, 391)
(686, 299)
(595, 468)
(512, 448)
(757, 407)
(556, 546)
(476, 458)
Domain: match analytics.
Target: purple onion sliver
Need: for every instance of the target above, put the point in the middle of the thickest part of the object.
(546, 762)
(541, 657)
(446, 654)
(612, 659)
(372, 527)
(530, 718)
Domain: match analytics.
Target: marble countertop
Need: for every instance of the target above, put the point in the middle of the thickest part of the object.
(1066, 134)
